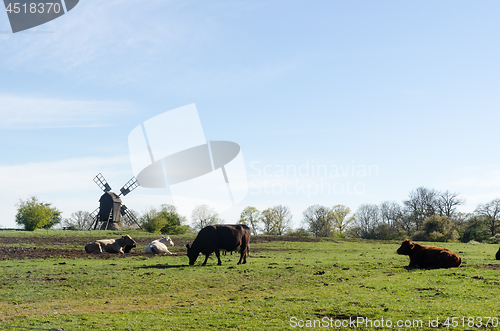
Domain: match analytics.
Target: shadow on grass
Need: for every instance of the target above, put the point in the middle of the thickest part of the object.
(408, 268)
(177, 266)
(163, 266)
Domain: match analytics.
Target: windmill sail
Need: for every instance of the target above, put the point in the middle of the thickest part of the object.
(94, 215)
(102, 183)
(131, 185)
(129, 215)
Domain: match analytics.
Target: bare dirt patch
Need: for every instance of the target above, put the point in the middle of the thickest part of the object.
(488, 266)
(18, 248)
(19, 253)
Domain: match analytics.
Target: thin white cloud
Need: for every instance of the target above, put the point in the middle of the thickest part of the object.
(34, 112)
(95, 30)
(60, 176)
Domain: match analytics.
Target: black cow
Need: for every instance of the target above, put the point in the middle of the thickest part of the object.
(213, 238)
(497, 255)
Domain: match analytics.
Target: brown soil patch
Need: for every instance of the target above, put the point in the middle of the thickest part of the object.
(488, 266)
(18, 248)
(15, 248)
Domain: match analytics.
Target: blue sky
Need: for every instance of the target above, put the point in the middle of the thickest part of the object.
(406, 89)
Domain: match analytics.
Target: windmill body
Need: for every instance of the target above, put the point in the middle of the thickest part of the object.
(109, 211)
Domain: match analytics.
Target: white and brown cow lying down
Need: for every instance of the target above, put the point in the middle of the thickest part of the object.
(429, 256)
(120, 245)
(159, 246)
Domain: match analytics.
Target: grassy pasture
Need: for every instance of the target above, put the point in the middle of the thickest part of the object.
(285, 283)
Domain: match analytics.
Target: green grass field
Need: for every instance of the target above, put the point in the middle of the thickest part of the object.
(285, 285)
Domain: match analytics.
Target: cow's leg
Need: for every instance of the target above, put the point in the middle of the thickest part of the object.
(217, 253)
(243, 257)
(206, 258)
(243, 251)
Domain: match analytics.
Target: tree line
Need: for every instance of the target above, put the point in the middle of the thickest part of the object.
(426, 214)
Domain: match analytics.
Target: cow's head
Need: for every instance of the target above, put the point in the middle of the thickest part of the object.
(406, 247)
(192, 255)
(128, 248)
(127, 240)
(167, 241)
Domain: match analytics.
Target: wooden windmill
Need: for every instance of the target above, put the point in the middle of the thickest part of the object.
(110, 210)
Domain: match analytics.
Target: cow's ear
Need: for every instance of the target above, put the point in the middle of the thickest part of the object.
(187, 246)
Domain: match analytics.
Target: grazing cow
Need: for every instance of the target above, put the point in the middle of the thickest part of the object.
(497, 256)
(110, 245)
(429, 256)
(215, 238)
(159, 246)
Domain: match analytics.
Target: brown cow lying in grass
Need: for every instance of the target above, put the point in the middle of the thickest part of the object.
(110, 245)
(429, 256)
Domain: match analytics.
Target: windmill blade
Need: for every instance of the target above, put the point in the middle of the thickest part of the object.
(131, 185)
(94, 215)
(102, 183)
(129, 215)
(123, 210)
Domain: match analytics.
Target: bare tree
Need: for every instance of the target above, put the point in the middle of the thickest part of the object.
(251, 216)
(267, 219)
(203, 216)
(276, 220)
(491, 212)
(367, 218)
(319, 220)
(284, 219)
(447, 203)
(392, 214)
(80, 220)
(421, 204)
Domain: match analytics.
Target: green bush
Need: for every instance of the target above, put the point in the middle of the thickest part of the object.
(165, 221)
(475, 229)
(494, 240)
(437, 228)
(33, 214)
(301, 232)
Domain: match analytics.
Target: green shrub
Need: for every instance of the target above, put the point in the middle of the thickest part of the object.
(475, 229)
(165, 221)
(33, 214)
(301, 232)
(494, 240)
(437, 228)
